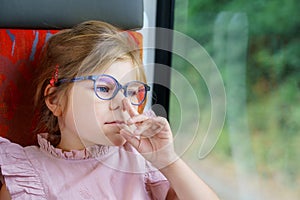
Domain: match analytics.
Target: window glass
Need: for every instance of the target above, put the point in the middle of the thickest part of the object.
(251, 50)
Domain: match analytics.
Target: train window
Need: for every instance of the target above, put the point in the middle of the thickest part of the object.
(234, 94)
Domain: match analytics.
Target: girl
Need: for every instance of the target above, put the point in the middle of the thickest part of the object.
(97, 146)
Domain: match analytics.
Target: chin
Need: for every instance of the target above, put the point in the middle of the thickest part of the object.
(117, 140)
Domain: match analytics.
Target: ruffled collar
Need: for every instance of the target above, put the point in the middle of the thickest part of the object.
(89, 152)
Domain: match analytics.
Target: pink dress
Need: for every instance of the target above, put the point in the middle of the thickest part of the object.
(97, 172)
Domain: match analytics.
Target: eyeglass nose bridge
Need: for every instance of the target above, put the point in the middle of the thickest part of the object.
(119, 88)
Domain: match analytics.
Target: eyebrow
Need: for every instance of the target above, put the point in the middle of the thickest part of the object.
(107, 81)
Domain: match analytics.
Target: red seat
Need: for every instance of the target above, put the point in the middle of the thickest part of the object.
(19, 52)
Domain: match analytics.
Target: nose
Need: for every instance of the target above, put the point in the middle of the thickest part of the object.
(116, 102)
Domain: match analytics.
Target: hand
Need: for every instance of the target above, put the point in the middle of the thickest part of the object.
(152, 137)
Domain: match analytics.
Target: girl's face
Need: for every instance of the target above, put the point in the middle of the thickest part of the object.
(88, 120)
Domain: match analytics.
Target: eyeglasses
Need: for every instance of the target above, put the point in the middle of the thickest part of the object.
(107, 87)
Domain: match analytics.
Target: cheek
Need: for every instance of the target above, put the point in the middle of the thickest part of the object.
(87, 114)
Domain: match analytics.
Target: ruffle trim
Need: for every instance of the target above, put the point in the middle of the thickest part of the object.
(20, 177)
(156, 183)
(89, 152)
(152, 174)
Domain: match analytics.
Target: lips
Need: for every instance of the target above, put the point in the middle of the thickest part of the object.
(115, 122)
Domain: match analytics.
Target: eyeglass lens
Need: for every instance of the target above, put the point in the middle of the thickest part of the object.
(107, 88)
(136, 92)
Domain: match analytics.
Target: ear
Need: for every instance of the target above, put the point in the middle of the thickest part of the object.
(52, 102)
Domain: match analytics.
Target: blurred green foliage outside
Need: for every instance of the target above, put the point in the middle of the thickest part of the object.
(269, 79)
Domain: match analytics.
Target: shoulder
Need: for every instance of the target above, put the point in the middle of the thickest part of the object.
(19, 175)
(4, 142)
(10, 152)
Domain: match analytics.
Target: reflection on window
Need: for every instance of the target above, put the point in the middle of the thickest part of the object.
(256, 48)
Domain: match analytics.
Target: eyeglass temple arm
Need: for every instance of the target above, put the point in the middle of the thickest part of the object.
(148, 88)
(80, 78)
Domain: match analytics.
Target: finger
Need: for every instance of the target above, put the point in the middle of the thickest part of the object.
(135, 142)
(150, 113)
(143, 127)
(151, 126)
(137, 119)
(126, 127)
(146, 133)
(129, 108)
(161, 124)
(160, 120)
(148, 128)
(121, 126)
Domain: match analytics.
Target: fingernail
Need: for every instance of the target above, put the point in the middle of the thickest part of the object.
(129, 121)
(124, 131)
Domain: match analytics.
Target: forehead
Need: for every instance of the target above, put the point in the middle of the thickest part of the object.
(123, 71)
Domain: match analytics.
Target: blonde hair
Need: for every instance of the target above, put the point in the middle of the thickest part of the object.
(86, 48)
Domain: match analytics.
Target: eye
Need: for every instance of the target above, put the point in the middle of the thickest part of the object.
(104, 89)
(131, 93)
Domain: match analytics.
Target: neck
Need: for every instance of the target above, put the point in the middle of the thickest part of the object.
(70, 142)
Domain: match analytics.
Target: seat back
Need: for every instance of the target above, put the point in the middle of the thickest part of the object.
(18, 56)
(25, 26)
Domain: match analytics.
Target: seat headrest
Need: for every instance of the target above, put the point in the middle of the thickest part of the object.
(57, 14)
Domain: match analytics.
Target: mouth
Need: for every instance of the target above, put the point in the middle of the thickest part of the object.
(115, 122)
